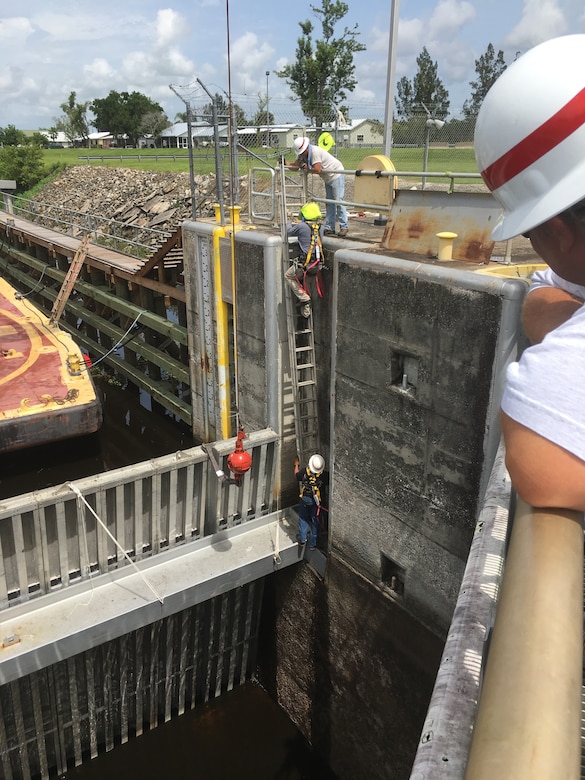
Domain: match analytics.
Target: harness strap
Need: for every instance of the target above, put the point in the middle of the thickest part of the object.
(318, 261)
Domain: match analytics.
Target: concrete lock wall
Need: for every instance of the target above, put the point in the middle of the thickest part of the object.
(418, 369)
(410, 367)
(351, 668)
(352, 659)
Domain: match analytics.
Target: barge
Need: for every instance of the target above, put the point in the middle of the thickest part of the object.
(46, 390)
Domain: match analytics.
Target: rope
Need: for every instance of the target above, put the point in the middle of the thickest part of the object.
(276, 556)
(80, 497)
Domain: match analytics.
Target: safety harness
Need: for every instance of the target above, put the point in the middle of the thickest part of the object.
(310, 487)
(313, 263)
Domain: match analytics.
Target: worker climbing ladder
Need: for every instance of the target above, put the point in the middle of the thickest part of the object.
(303, 377)
(301, 347)
(69, 281)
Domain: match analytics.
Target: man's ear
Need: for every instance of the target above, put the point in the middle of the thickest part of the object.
(563, 232)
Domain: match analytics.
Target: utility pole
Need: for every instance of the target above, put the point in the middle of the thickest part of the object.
(391, 76)
(190, 148)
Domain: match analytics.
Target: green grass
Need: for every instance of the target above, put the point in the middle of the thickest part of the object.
(440, 159)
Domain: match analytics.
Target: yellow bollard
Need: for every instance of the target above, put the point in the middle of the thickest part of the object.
(446, 245)
(235, 214)
(217, 210)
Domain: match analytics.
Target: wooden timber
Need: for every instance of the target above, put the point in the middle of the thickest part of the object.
(135, 322)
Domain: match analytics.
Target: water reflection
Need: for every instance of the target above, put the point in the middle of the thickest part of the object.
(244, 736)
(130, 433)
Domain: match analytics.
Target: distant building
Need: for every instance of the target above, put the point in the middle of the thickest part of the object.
(177, 136)
(101, 140)
(57, 139)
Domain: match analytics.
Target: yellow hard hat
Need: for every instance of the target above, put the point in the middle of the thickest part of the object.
(310, 211)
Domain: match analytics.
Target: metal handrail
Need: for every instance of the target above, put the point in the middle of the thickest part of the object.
(520, 684)
(133, 240)
(48, 541)
(528, 723)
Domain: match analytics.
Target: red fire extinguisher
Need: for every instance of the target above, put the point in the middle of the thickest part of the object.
(239, 461)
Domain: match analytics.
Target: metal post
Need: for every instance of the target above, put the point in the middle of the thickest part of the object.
(190, 148)
(426, 154)
(218, 177)
(191, 166)
(391, 76)
(267, 114)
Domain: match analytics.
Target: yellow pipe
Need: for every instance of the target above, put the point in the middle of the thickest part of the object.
(221, 319)
(528, 725)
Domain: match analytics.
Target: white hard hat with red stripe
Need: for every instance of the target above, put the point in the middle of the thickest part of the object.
(530, 135)
(301, 144)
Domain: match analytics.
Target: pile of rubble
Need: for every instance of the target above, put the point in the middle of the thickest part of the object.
(148, 199)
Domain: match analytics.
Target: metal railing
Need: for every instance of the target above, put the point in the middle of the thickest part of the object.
(130, 239)
(50, 539)
(528, 723)
(507, 699)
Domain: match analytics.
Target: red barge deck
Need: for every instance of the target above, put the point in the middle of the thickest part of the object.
(46, 391)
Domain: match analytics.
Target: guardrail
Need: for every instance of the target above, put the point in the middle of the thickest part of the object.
(507, 699)
(50, 539)
(528, 722)
(130, 239)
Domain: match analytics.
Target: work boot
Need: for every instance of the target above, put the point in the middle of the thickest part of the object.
(343, 232)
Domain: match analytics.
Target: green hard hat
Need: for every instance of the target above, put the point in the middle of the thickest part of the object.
(311, 211)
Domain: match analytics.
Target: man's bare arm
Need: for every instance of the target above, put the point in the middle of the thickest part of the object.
(543, 474)
(545, 308)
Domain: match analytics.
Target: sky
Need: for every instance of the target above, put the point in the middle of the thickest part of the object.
(50, 49)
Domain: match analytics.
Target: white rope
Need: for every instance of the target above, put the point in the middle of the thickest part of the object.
(276, 556)
(113, 538)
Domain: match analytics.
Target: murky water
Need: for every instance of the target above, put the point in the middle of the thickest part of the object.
(130, 433)
(245, 735)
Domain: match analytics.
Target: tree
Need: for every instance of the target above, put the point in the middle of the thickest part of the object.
(262, 116)
(404, 97)
(425, 91)
(122, 114)
(73, 123)
(488, 68)
(10, 136)
(23, 164)
(223, 112)
(377, 127)
(323, 73)
(154, 123)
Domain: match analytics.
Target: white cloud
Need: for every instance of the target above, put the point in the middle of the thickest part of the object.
(82, 26)
(15, 31)
(541, 20)
(170, 27)
(448, 18)
(99, 73)
(249, 60)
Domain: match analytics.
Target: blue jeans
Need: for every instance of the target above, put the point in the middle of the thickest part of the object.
(308, 525)
(335, 191)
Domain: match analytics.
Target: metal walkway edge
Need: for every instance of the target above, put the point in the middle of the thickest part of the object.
(62, 624)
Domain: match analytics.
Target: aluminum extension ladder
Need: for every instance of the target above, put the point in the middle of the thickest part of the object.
(301, 345)
(69, 281)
